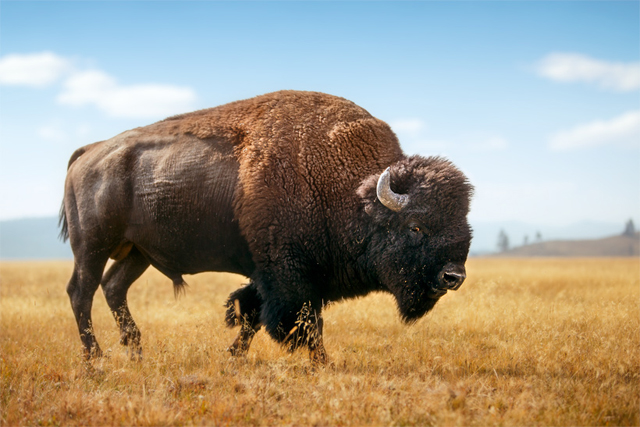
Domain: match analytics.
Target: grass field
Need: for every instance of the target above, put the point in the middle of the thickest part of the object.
(523, 342)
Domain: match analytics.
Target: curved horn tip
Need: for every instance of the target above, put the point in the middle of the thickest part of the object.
(390, 199)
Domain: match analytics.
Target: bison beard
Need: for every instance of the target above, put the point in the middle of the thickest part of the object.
(306, 194)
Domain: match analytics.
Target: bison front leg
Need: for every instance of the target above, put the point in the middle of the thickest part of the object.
(243, 309)
(295, 328)
(317, 353)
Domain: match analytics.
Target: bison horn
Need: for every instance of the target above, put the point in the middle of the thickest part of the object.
(394, 201)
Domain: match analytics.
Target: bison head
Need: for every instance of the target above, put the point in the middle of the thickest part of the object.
(419, 236)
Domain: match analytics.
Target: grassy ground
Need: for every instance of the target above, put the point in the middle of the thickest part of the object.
(523, 342)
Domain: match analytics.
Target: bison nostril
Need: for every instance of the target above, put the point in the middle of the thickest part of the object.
(452, 279)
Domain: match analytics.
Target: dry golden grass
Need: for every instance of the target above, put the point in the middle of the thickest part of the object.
(524, 342)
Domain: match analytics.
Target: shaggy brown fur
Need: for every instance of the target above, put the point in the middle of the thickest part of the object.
(301, 156)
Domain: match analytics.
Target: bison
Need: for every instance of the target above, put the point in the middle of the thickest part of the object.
(304, 193)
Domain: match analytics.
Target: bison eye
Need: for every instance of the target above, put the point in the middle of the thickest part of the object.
(416, 228)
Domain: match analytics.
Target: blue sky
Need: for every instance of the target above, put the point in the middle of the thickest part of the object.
(538, 102)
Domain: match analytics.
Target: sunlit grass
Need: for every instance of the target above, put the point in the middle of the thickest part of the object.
(523, 342)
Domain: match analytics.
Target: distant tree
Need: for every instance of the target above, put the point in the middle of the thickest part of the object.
(538, 236)
(526, 240)
(503, 241)
(629, 229)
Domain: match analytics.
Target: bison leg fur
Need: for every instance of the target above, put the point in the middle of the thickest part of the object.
(243, 309)
(296, 328)
(317, 353)
(115, 284)
(81, 288)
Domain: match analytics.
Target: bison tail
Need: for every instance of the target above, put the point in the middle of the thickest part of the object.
(62, 219)
(179, 287)
(62, 223)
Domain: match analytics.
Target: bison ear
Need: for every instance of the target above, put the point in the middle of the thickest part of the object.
(367, 193)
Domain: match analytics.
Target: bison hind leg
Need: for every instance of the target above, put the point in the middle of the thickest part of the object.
(115, 285)
(81, 288)
(243, 309)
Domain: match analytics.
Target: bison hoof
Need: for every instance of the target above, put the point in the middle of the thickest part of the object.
(319, 357)
(135, 353)
(237, 351)
(94, 353)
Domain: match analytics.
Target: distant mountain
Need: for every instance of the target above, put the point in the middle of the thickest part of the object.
(485, 233)
(615, 246)
(32, 238)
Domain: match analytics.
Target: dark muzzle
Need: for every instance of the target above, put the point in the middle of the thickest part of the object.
(451, 276)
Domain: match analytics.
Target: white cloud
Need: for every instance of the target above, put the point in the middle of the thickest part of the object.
(36, 69)
(622, 130)
(572, 67)
(411, 132)
(97, 88)
(94, 87)
(407, 125)
(416, 140)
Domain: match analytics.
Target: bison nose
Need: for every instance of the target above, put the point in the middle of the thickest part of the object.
(452, 276)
